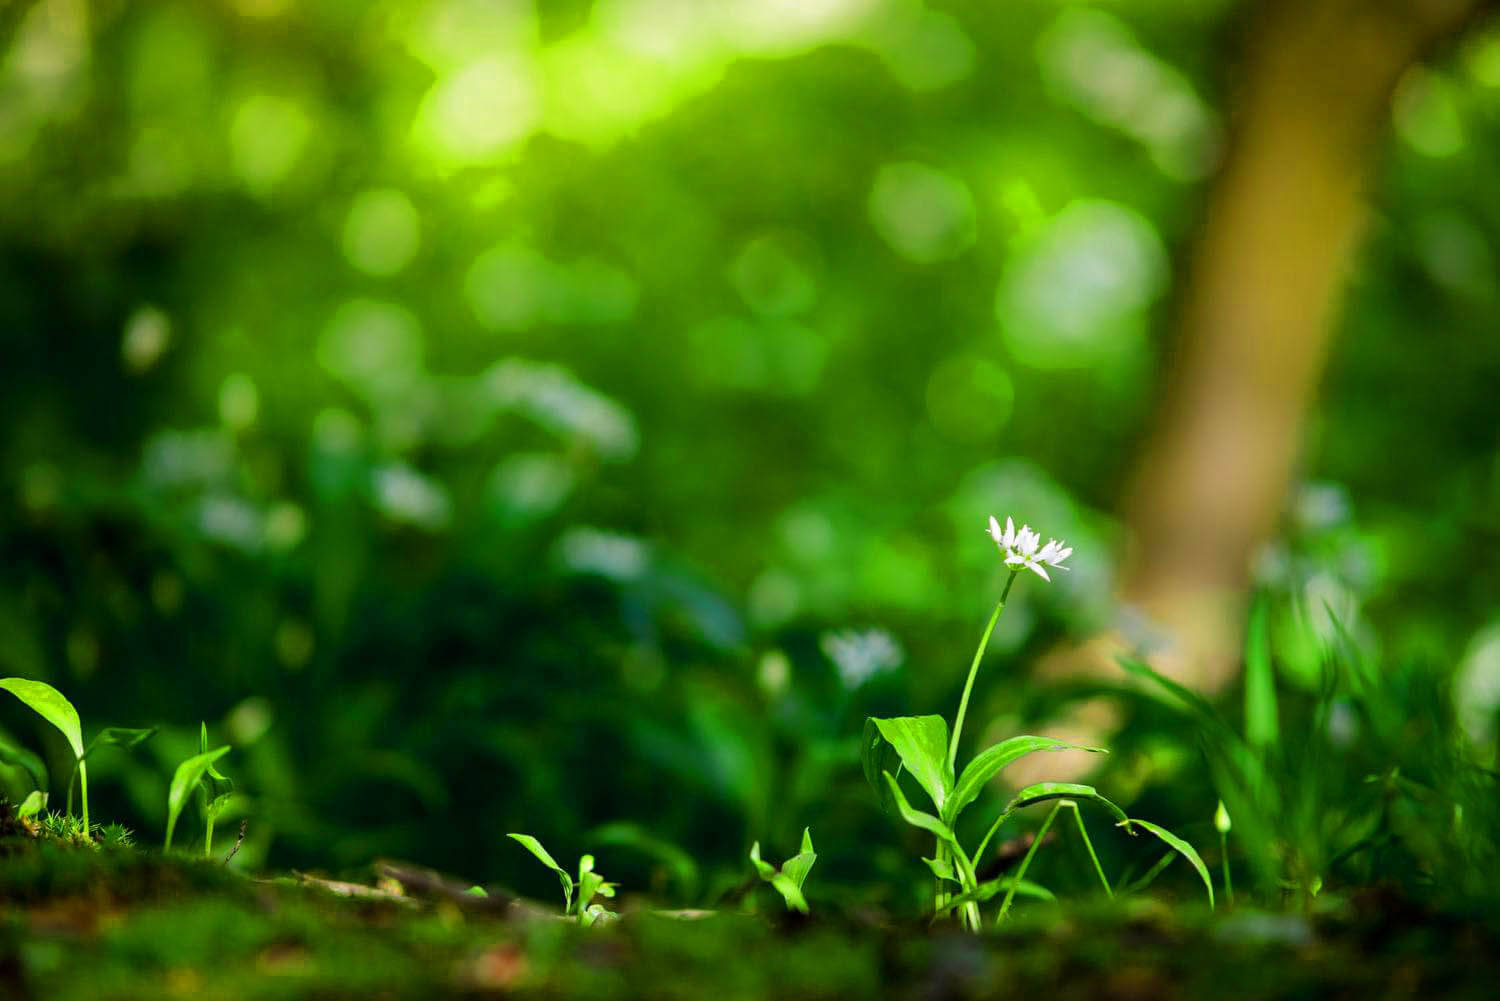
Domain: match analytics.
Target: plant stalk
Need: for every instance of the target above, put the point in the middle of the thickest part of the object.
(1010, 893)
(1089, 844)
(984, 641)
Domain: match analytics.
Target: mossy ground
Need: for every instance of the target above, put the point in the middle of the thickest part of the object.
(125, 923)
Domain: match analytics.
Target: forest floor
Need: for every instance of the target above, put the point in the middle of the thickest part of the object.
(131, 924)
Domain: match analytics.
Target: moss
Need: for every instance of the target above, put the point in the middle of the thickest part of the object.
(125, 923)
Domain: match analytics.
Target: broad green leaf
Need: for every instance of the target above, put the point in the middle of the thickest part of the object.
(1043, 791)
(942, 869)
(988, 763)
(790, 892)
(184, 781)
(799, 865)
(984, 891)
(766, 869)
(877, 757)
(922, 744)
(1262, 727)
(535, 847)
(49, 704)
(1184, 849)
(30, 763)
(917, 818)
(34, 803)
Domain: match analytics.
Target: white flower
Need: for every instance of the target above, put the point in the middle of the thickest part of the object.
(859, 656)
(1021, 548)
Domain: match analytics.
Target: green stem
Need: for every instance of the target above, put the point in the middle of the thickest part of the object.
(969, 881)
(1228, 880)
(1010, 893)
(83, 793)
(963, 702)
(940, 897)
(979, 855)
(1078, 816)
(208, 837)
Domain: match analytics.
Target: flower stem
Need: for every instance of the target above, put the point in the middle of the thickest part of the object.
(984, 641)
(1078, 816)
(1228, 879)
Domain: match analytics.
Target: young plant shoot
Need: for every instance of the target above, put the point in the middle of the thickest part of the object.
(50, 704)
(588, 885)
(788, 880)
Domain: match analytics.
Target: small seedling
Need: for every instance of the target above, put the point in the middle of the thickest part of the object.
(50, 704)
(789, 879)
(34, 803)
(588, 885)
(197, 774)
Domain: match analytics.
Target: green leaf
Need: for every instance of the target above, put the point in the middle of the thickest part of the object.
(213, 773)
(28, 762)
(34, 803)
(799, 865)
(1262, 727)
(988, 763)
(49, 704)
(877, 757)
(535, 847)
(922, 744)
(476, 891)
(1041, 792)
(1184, 849)
(184, 781)
(766, 869)
(119, 736)
(917, 818)
(628, 835)
(942, 869)
(788, 882)
(984, 891)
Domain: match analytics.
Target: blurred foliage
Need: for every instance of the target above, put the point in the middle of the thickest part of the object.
(478, 409)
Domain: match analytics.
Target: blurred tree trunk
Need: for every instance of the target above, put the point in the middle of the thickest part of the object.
(1258, 310)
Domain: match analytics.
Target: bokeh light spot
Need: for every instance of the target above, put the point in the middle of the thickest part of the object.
(969, 398)
(148, 333)
(924, 214)
(1427, 115)
(382, 232)
(477, 113)
(267, 136)
(1075, 296)
(774, 275)
(373, 347)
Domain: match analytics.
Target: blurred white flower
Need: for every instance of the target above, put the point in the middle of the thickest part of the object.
(1021, 548)
(859, 656)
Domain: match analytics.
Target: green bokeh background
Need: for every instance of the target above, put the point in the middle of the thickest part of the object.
(478, 411)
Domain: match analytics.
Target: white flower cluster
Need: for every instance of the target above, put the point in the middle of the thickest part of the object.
(859, 656)
(1025, 549)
